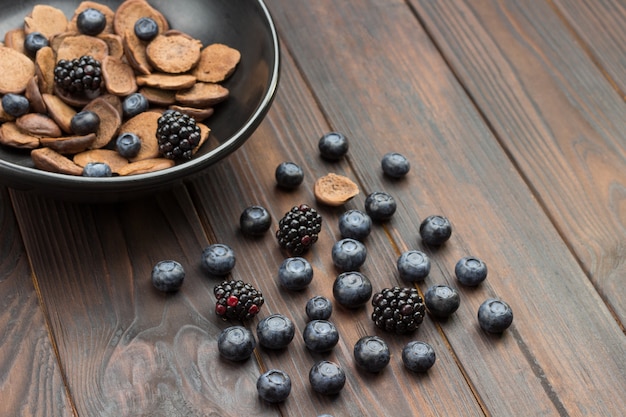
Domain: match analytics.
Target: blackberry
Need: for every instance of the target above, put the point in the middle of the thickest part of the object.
(299, 228)
(398, 310)
(79, 76)
(237, 300)
(177, 135)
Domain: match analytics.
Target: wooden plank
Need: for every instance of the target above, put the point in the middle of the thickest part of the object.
(126, 348)
(556, 115)
(600, 25)
(406, 99)
(247, 178)
(31, 382)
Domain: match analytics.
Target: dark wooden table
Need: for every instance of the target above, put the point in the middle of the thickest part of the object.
(512, 114)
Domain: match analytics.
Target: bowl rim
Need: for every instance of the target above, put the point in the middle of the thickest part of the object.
(28, 178)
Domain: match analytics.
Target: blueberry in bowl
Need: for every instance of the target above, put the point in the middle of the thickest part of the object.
(244, 25)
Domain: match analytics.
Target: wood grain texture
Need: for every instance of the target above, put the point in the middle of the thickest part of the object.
(599, 25)
(555, 114)
(415, 105)
(126, 348)
(31, 382)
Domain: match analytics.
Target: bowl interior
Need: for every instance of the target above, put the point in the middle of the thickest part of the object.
(242, 24)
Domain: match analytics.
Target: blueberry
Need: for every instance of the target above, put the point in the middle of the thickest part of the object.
(85, 122)
(319, 308)
(168, 276)
(418, 356)
(355, 224)
(134, 104)
(236, 343)
(327, 377)
(413, 266)
(495, 316)
(470, 271)
(34, 41)
(295, 273)
(275, 331)
(320, 335)
(91, 22)
(274, 386)
(15, 105)
(289, 175)
(380, 206)
(435, 230)
(441, 300)
(128, 144)
(348, 254)
(255, 221)
(333, 146)
(146, 28)
(371, 353)
(395, 165)
(218, 259)
(97, 169)
(352, 289)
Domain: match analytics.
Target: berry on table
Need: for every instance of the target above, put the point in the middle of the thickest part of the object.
(398, 310)
(15, 105)
(413, 266)
(380, 206)
(236, 343)
(177, 135)
(327, 377)
(495, 316)
(435, 230)
(352, 289)
(333, 146)
(168, 276)
(298, 230)
(255, 221)
(97, 170)
(288, 175)
(91, 22)
(441, 300)
(470, 271)
(319, 308)
(348, 254)
(355, 224)
(218, 259)
(85, 122)
(274, 386)
(79, 76)
(34, 41)
(134, 104)
(395, 165)
(371, 353)
(295, 273)
(146, 28)
(320, 335)
(275, 331)
(418, 356)
(237, 300)
(128, 144)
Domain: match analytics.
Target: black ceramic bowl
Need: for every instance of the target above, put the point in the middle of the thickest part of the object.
(242, 24)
